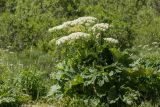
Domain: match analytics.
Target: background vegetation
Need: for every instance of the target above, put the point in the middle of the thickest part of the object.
(31, 70)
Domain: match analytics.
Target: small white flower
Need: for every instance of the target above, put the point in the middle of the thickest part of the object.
(72, 36)
(9, 46)
(6, 50)
(145, 46)
(111, 40)
(86, 21)
(156, 46)
(155, 43)
(11, 64)
(100, 27)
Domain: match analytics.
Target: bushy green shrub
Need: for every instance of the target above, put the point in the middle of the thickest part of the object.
(100, 70)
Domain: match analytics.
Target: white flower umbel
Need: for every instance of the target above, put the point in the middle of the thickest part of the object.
(72, 36)
(100, 27)
(57, 28)
(86, 21)
(62, 40)
(111, 40)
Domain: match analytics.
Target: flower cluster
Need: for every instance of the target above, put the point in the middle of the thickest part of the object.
(100, 27)
(111, 40)
(72, 36)
(87, 21)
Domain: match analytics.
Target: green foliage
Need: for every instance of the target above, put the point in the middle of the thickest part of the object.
(23, 78)
(83, 72)
(112, 84)
(24, 24)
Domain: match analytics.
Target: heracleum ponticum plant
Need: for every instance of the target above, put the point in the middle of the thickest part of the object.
(93, 30)
(90, 64)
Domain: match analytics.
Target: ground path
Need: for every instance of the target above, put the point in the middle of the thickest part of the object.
(37, 105)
